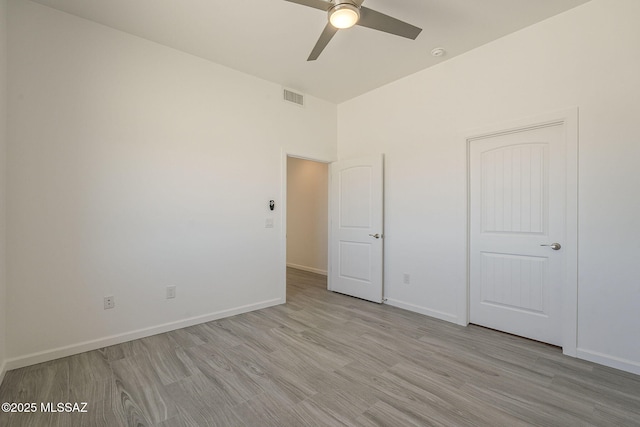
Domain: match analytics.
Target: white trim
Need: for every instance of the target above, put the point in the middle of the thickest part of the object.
(309, 269)
(305, 157)
(570, 296)
(463, 298)
(69, 350)
(610, 361)
(569, 119)
(422, 310)
(330, 227)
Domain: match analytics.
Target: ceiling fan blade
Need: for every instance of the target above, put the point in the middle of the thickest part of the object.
(379, 21)
(316, 4)
(326, 36)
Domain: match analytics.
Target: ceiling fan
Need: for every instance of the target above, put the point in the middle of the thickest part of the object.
(347, 13)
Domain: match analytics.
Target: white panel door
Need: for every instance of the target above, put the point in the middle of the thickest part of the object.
(356, 248)
(517, 202)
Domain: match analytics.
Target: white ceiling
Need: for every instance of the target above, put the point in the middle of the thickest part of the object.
(271, 39)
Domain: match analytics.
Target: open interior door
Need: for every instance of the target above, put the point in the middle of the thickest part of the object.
(356, 230)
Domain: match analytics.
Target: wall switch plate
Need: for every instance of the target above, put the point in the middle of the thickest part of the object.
(406, 279)
(268, 223)
(109, 302)
(171, 292)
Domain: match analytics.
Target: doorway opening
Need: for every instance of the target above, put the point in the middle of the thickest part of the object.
(349, 224)
(307, 215)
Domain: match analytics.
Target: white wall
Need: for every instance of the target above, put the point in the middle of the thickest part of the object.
(588, 57)
(133, 166)
(3, 175)
(307, 212)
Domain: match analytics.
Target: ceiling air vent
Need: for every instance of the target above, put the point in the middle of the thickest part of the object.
(293, 97)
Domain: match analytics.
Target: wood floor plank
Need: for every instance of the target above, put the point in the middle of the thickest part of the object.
(386, 414)
(198, 404)
(217, 333)
(125, 408)
(234, 385)
(141, 390)
(266, 410)
(11, 384)
(326, 359)
(99, 414)
(341, 406)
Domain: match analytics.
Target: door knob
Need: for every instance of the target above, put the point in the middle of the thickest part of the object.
(377, 236)
(554, 246)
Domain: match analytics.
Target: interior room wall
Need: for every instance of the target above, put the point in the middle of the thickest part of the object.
(307, 214)
(133, 167)
(588, 57)
(3, 180)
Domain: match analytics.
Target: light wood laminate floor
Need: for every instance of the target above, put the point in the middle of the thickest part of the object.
(326, 359)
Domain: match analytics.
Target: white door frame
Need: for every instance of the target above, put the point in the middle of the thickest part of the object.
(569, 119)
(283, 213)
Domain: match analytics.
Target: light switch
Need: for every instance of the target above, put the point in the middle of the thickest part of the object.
(268, 223)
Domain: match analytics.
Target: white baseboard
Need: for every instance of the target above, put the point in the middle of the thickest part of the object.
(423, 310)
(47, 355)
(610, 361)
(309, 269)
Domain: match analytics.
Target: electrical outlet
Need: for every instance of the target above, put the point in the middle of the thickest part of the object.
(406, 278)
(171, 292)
(109, 302)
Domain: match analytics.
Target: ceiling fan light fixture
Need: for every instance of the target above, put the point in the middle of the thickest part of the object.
(344, 15)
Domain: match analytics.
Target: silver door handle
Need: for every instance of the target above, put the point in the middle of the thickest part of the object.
(377, 236)
(554, 246)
